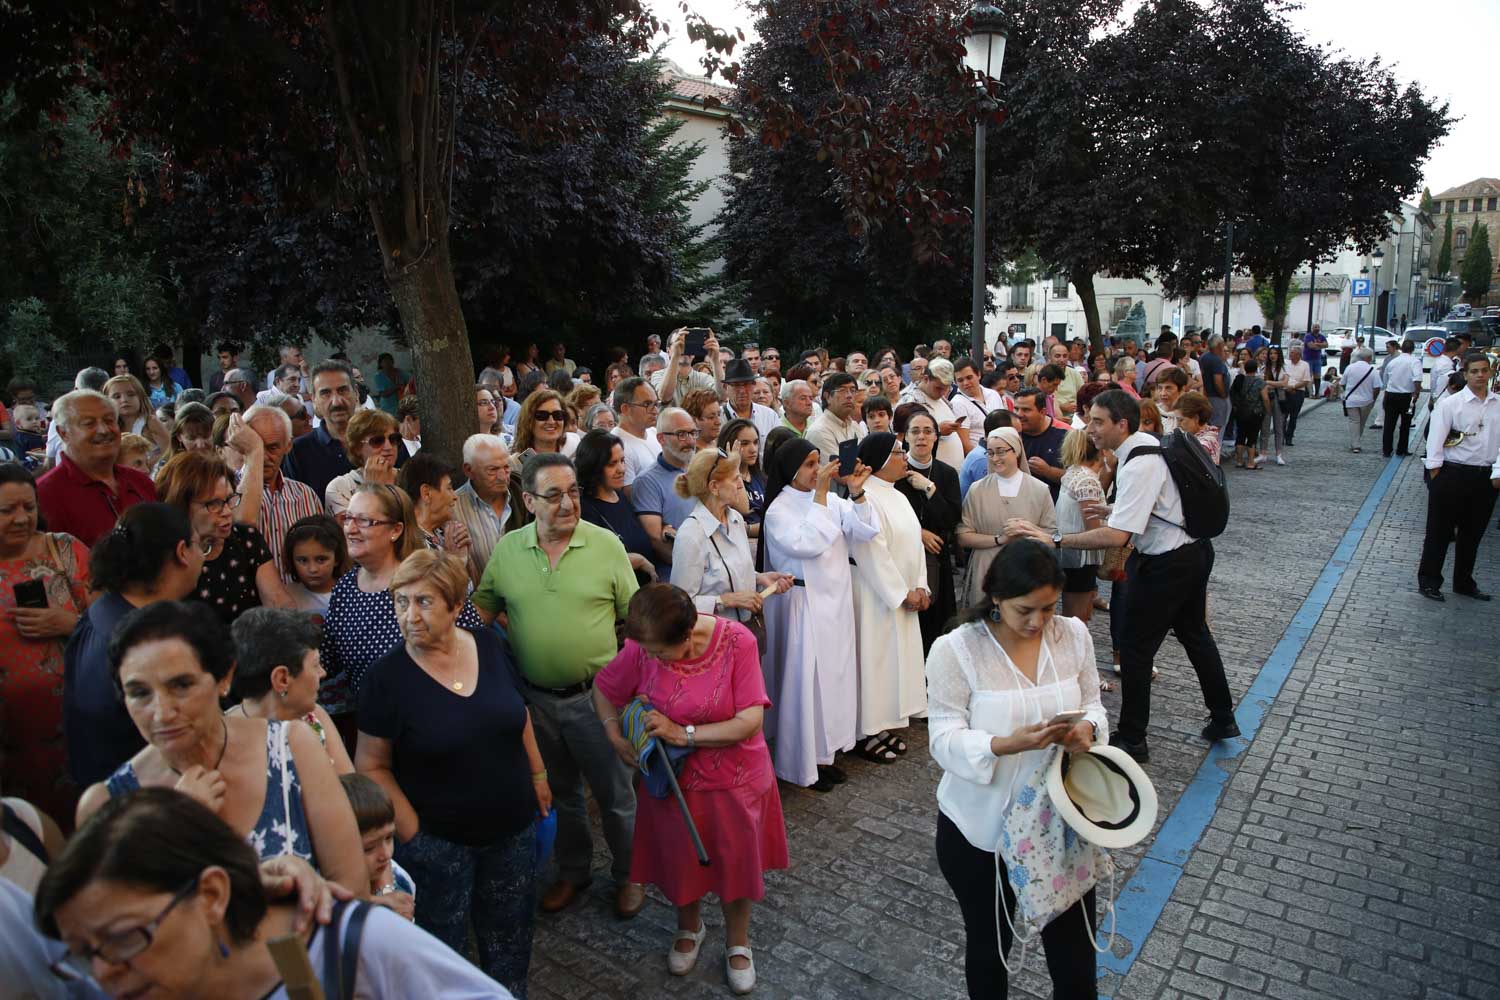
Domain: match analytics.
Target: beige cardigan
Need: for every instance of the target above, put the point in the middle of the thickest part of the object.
(985, 513)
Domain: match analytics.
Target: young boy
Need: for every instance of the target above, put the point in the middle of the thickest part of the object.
(390, 885)
(134, 450)
(877, 415)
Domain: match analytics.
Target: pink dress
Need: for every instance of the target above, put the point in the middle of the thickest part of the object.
(731, 791)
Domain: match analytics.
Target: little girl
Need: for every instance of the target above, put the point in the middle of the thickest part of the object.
(316, 556)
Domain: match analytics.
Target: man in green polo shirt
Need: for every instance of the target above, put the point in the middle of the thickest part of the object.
(558, 585)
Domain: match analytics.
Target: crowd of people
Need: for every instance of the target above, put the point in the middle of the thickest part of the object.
(281, 622)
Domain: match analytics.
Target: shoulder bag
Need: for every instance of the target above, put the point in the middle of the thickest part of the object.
(756, 622)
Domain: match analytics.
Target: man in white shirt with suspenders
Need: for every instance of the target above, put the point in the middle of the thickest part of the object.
(1168, 574)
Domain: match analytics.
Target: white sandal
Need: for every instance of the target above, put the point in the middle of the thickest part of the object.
(741, 981)
(680, 963)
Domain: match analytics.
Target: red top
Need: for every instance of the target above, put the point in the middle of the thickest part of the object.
(84, 507)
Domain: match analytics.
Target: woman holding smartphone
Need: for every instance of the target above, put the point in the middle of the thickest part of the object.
(1003, 688)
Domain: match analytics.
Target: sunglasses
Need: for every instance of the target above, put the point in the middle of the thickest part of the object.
(548, 415)
(376, 440)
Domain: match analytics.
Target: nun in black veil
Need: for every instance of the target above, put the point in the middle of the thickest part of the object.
(811, 660)
(931, 486)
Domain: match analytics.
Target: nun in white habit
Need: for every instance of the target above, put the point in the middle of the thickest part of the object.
(890, 589)
(811, 665)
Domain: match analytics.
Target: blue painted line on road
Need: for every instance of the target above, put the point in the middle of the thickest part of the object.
(1144, 897)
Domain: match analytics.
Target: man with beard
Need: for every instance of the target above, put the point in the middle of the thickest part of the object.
(657, 504)
(318, 458)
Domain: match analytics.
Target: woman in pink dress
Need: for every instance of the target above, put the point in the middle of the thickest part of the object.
(701, 676)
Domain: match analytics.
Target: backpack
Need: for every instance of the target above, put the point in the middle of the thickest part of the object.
(1205, 498)
(1244, 402)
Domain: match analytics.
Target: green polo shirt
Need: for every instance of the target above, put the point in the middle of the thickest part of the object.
(562, 621)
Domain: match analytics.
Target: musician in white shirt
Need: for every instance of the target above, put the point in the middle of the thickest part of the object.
(1463, 475)
(1403, 380)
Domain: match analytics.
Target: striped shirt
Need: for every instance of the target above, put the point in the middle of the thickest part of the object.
(281, 507)
(486, 528)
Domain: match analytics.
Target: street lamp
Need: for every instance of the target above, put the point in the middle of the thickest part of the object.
(984, 51)
(1377, 258)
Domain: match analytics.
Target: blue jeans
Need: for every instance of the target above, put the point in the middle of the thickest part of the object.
(492, 886)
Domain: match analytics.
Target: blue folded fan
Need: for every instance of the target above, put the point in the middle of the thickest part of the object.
(659, 764)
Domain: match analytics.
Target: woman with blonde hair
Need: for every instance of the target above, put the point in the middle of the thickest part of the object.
(373, 441)
(1084, 476)
(542, 425)
(582, 397)
(1009, 492)
(137, 416)
(711, 556)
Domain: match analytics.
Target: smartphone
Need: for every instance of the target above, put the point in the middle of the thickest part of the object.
(695, 344)
(1069, 718)
(31, 594)
(848, 455)
(961, 418)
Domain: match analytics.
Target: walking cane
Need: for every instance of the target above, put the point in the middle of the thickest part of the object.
(687, 817)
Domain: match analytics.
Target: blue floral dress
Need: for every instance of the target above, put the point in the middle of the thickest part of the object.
(282, 825)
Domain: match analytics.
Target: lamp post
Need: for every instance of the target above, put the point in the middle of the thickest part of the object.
(1377, 258)
(984, 51)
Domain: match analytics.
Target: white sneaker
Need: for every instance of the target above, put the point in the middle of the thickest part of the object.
(741, 981)
(680, 963)
(1280, 460)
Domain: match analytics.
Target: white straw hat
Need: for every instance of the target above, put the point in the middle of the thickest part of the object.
(1104, 795)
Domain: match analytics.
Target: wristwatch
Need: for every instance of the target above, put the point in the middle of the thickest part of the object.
(692, 734)
(1057, 539)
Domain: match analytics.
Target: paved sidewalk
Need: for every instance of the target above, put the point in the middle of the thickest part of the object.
(864, 912)
(1354, 853)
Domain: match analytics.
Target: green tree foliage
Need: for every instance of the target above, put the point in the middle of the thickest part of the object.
(1426, 204)
(1478, 271)
(1444, 266)
(81, 278)
(1265, 297)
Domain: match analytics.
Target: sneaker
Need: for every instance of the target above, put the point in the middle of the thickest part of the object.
(1138, 752)
(1225, 730)
(1280, 460)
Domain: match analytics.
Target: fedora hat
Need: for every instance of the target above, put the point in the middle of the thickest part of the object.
(738, 370)
(1103, 795)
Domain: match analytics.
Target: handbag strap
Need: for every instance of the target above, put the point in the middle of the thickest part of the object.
(22, 833)
(341, 953)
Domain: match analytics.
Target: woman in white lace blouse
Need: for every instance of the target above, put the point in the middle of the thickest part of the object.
(993, 684)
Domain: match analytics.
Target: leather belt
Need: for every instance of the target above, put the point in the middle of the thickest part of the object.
(564, 692)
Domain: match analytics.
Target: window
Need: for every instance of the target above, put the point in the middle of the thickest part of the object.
(1490, 207)
(1460, 239)
(1059, 286)
(1120, 310)
(1020, 296)
(1463, 204)
(1060, 331)
(1448, 207)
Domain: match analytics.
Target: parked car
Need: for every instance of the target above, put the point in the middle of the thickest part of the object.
(1343, 336)
(1475, 327)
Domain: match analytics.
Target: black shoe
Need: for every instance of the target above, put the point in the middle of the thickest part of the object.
(1475, 594)
(1403, 454)
(1225, 730)
(1431, 593)
(832, 773)
(1138, 752)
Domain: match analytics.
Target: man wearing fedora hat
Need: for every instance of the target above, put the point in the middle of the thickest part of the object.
(739, 385)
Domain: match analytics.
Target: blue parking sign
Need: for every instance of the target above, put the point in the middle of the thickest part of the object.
(1361, 286)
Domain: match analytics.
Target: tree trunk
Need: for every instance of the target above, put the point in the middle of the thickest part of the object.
(433, 318)
(1083, 280)
(1281, 283)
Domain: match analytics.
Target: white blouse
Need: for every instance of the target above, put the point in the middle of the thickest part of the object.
(975, 692)
(710, 558)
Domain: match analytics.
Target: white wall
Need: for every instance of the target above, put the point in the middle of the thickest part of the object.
(364, 346)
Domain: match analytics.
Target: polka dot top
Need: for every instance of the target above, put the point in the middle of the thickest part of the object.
(358, 629)
(227, 584)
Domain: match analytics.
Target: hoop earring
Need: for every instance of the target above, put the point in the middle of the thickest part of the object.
(994, 614)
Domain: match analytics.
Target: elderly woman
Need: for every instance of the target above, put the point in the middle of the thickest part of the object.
(158, 895)
(1361, 384)
(1125, 377)
(704, 406)
(1195, 416)
(600, 461)
(542, 425)
(240, 572)
(739, 437)
(931, 487)
(137, 416)
(43, 591)
(360, 627)
(701, 677)
(599, 417)
(1009, 491)
(270, 781)
(373, 440)
(428, 481)
(767, 391)
(711, 558)
(444, 730)
(277, 671)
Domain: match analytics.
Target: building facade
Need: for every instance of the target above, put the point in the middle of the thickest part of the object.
(1469, 204)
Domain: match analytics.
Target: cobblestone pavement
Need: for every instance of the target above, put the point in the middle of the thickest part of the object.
(1322, 869)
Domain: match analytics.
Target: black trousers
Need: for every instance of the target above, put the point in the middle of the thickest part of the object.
(1168, 593)
(1397, 407)
(1292, 407)
(1066, 941)
(1459, 504)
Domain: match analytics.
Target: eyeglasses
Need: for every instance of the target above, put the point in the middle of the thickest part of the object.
(217, 505)
(117, 949)
(360, 520)
(486, 402)
(998, 452)
(652, 405)
(721, 455)
(770, 356)
(551, 416)
(555, 497)
(679, 435)
(376, 440)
